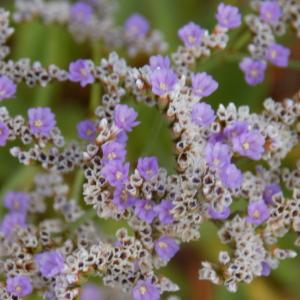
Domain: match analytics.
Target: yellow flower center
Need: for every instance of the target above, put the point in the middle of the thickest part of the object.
(162, 86)
(143, 290)
(119, 175)
(38, 123)
(256, 214)
(191, 39)
(246, 146)
(162, 245)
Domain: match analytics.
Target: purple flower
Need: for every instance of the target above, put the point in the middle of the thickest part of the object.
(191, 35)
(122, 137)
(203, 114)
(91, 292)
(19, 286)
(145, 290)
(125, 117)
(203, 84)
(258, 212)
(113, 151)
(81, 71)
(163, 81)
(144, 209)
(11, 222)
(17, 202)
(50, 263)
(269, 191)
(266, 269)
(228, 16)
(166, 248)
(87, 130)
(122, 199)
(116, 173)
(222, 215)
(7, 88)
(81, 13)
(235, 129)
(254, 70)
(148, 167)
(231, 176)
(216, 138)
(41, 121)
(158, 62)
(136, 26)
(278, 55)
(270, 12)
(164, 211)
(4, 133)
(217, 155)
(249, 144)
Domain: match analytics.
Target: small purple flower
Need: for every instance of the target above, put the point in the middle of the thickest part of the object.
(7, 88)
(266, 269)
(4, 133)
(270, 12)
(166, 248)
(249, 144)
(228, 16)
(163, 81)
(50, 263)
(81, 13)
(203, 114)
(125, 117)
(191, 35)
(269, 191)
(231, 176)
(137, 26)
(278, 55)
(113, 151)
(11, 222)
(145, 290)
(144, 209)
(163, 209)
(16, 202)
(41, 121)
(158, 62)
(216, 138)
(148, 167)
(91, 292)
(217, 155)
(122, 199)
(122, 137)
(80, 71)
(19, 286)
(219, 215)
(235, 129)
(116, 173)
(203, 84)
(258, 212)
(254, 70)
(87, 130)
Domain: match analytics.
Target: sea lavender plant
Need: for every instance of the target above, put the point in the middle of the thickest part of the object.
(50, 242)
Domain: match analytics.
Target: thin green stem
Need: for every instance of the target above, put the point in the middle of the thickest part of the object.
(77, 185)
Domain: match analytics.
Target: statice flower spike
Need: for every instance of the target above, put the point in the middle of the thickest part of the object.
(136, 26)
(222, 215)
(144, 209)
(217, 155)
(191, 35)
(203, 114)
(81, 13)
(270, 12)
(148, 167)
(163, 81)
(278, 55)
(228, 16)
(258, 212)
(91, 292)
(80, 71)
(116, 173)
(158, 62)
(125, 117)
(254, 70)
(50, 263)
(166, 248)
(41, 121)
(16, 202)
(7, 88)
(203, 84)
(19, 286)
(4, 133)
(113, 151)
(145, 290)
(87, 130)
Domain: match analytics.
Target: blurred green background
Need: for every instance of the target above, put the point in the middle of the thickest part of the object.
(53, 44)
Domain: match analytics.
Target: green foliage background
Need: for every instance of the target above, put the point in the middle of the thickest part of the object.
(52, 44)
